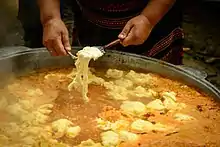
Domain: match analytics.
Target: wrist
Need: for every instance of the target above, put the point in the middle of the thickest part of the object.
(147, 21)
(50, 20)
(156, 9)
(48, 16)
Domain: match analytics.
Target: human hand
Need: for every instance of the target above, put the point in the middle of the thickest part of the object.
(56, 37)
(136, 31)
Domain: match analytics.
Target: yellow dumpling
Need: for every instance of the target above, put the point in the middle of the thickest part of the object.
(139, 78)
(142, 92)
(124, 83)
(60, 126)
(114, 73)
(142, 126)
(103, 124)
(133, 108)
(158, 127)
(120, 125)
(89, 143)
(110, 139)
(126, 136)
(156, 105)
(72, 132)
(119, 93)
(169, 95)
(183, 117)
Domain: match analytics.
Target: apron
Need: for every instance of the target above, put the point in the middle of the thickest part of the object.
(99, 22)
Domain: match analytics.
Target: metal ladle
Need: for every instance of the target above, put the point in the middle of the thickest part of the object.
(102, 48)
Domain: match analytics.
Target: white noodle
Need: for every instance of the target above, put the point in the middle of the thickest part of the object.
(80, 81)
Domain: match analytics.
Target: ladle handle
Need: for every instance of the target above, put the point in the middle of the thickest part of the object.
(71, 55)
(113, 43)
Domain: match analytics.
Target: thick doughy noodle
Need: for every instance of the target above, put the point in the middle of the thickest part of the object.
(81, 81)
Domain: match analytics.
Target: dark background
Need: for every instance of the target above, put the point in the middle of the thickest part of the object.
(201, 24)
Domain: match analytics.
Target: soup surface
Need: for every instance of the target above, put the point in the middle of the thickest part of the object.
(125, 109)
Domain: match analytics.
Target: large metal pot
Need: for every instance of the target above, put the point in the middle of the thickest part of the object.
(21, 60)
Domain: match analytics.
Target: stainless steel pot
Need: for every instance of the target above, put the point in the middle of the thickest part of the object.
(21, 60)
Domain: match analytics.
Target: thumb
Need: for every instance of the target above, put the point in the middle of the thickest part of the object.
(125, 30)
(66, 42)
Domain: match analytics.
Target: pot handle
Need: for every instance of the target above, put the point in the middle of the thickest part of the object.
(193, 71)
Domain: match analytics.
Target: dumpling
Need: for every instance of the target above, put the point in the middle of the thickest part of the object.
(120, 125)
(114, 73)
(142, 92)
(142, 126)
(60, 126)
(89, 143)
(169, 95)
(34, 92)
(156, 105)
(45, 109)
(38, 117)
(183, 117)
(134, 108)
(169, 100)
(116, 126)
(103, 124)
(139, 78)
(118, 93)
(26, 104)
(110, 139)
(158, 127)
(16, 110)
(109, 85)
(72, 132)
(126, 136)
(124, 83)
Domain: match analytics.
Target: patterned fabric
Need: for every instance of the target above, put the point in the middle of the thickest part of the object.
(111, 14)
(98, 22)
(165, 42)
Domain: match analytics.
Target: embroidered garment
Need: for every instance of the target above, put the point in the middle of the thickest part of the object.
(99, 22)
(111, 14)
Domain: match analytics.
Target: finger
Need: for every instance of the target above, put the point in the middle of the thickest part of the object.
(50, 49)
(125, 30)
(58, 47)
(130, 39)
(66, 42)
(48, 44)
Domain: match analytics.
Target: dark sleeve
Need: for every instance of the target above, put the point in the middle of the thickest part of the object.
(28, 13)
(68, 15)
(29, 16)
